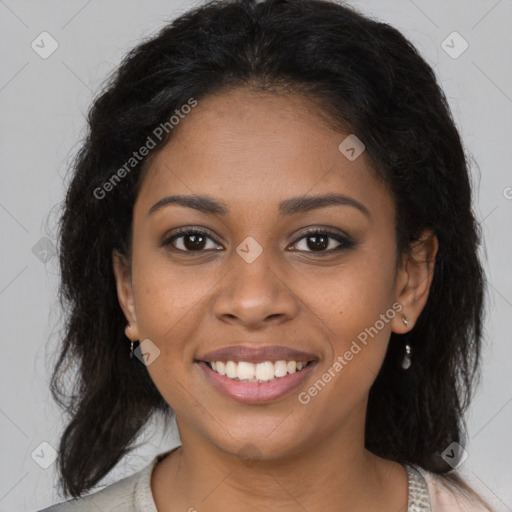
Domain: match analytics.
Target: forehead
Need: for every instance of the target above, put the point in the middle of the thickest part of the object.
(258, 148)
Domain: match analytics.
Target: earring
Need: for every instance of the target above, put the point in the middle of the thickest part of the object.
(131, 343)
(406, 361)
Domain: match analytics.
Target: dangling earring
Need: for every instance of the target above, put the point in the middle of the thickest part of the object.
(131, 343)
(406, 361)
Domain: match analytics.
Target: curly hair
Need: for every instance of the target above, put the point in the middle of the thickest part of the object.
(365, 75)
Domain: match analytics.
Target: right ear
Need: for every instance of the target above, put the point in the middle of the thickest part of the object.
(123, 276)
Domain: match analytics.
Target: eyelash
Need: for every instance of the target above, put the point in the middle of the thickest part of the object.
(345, 242)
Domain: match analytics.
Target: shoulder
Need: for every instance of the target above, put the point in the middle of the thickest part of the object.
(446, 497)
(119, 497)
(126, 495)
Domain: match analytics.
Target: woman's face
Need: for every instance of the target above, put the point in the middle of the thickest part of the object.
(254, 280)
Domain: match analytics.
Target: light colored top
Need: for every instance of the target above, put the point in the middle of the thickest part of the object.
(427, 493)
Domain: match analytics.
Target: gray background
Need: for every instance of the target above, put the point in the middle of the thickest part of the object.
(43, 103)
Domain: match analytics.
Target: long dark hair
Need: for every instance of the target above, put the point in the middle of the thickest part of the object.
(365, 75)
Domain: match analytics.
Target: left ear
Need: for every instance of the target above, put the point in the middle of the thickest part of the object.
(413, 281)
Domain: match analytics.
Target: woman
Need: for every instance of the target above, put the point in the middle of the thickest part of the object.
(272, 212)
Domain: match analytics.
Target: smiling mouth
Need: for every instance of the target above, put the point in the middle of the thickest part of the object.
(264, 371)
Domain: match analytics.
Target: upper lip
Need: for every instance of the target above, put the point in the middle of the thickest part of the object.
(256, 354)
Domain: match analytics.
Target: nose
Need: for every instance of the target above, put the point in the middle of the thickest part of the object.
(255, 294)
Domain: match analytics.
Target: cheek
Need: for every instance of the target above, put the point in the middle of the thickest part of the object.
(358, 337)
(350, 297)
(356, 309)
(165, 304)
(165, 295)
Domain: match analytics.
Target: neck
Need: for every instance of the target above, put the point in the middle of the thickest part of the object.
(335, 473)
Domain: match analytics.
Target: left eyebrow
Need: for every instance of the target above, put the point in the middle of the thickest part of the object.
(306, 203)
(287, 207)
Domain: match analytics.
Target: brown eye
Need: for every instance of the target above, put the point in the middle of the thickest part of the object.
(321, 241)
(191, 240)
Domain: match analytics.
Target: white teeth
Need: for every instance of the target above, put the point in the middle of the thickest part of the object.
(291, 366)
(280, 368)
(221, 368)
(256, 372)
(265, 371)
(245, 370)
(231, 369)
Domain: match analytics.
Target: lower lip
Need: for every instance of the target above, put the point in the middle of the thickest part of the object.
(257, 392)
